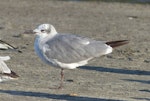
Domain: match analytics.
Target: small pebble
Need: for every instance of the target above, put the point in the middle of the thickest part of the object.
(73, 94)
(29, 32)
(2, 28)
(130, 59)
(147, 61)
(108, 56)
(132, 17)
(70, 80)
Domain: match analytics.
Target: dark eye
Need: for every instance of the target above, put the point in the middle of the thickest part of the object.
(42, 30)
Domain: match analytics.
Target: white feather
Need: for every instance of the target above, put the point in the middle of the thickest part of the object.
(109, 50)
(3, 67)
(72, 65)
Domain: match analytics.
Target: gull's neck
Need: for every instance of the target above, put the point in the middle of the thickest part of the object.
(53, 31)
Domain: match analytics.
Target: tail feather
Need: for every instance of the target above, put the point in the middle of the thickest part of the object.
(12, 74)
(6, 45)
(114, 44)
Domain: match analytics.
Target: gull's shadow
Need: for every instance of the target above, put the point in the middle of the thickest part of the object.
(145, 99)
(145, 90)
(54, 96)
(116, 70)
(120, 1)
(140, 81)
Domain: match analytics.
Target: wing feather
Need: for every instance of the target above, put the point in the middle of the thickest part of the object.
(3, 67)
(67, 48)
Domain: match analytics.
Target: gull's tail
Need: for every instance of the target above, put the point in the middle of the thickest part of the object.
(5, 73)
(4, 46)
(12, 75)
(8, 76)
(114, 44)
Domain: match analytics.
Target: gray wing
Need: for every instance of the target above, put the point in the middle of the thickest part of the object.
(67, 48)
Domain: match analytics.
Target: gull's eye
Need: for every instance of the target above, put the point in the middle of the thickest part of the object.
(42, 30)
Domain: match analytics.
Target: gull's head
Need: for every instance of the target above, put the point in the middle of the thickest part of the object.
(44, 30)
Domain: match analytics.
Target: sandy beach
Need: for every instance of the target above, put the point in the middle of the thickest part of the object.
(123, 75)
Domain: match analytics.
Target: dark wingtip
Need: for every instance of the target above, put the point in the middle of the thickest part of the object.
(9, 46)
(12, 74)
(114, 44)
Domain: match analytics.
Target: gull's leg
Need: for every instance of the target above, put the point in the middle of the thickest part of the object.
(62, 78)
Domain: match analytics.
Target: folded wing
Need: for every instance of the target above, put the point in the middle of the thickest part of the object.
(67, 48)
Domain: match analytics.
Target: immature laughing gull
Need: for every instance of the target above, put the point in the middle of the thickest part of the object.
(69, 51)
(5, 73)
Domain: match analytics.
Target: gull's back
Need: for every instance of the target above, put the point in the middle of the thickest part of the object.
(68, 48)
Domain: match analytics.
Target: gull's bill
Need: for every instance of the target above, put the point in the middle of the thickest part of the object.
(69, 51)
(5, 73)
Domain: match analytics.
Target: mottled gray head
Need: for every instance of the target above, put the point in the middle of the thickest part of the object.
(44, 30)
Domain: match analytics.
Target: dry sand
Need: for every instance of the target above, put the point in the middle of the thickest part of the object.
(123, 75)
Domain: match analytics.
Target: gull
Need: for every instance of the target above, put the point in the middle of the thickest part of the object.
(5, 73)
(4, 45)
(69, 51)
